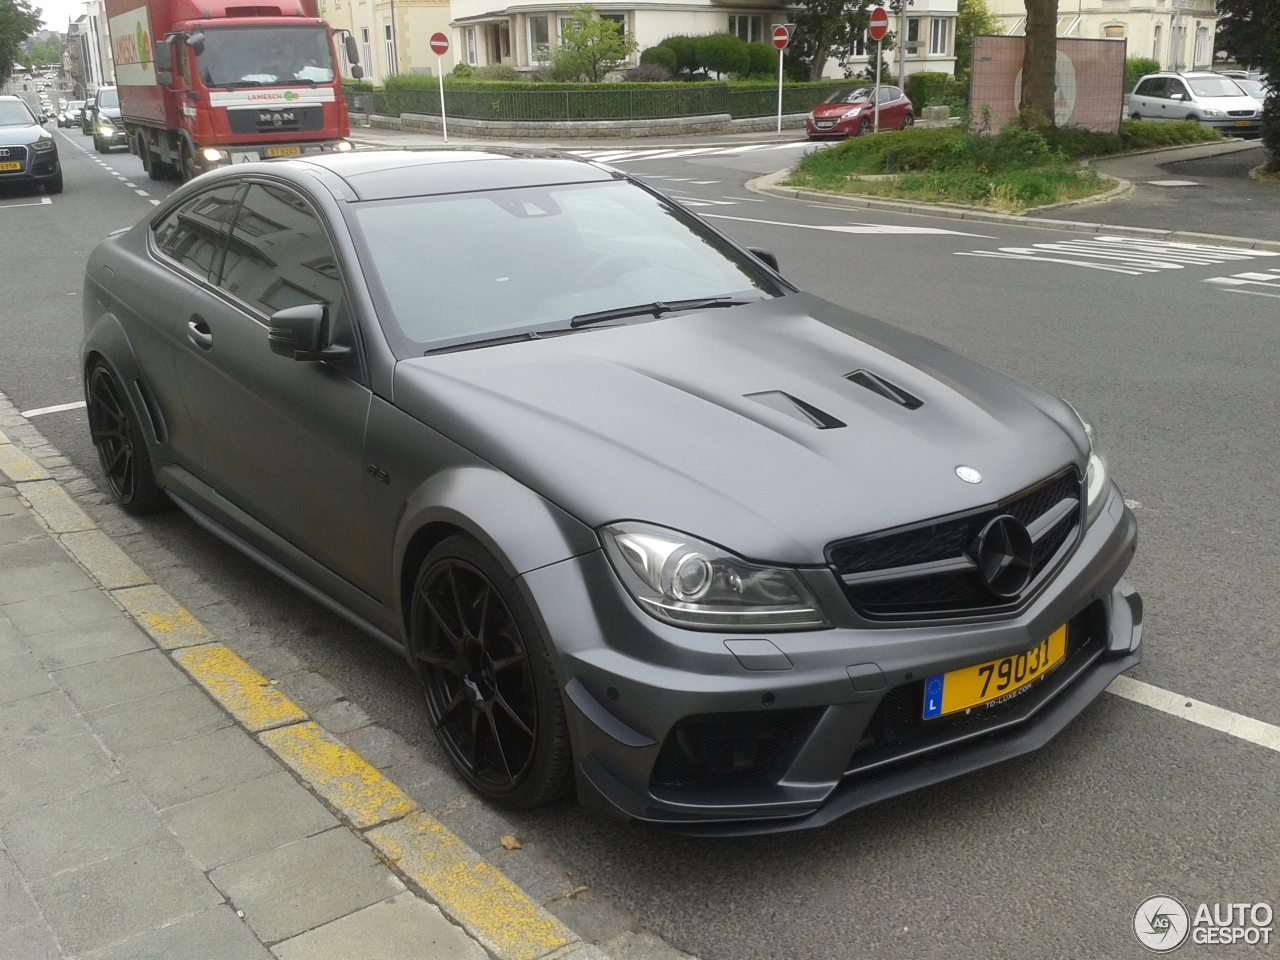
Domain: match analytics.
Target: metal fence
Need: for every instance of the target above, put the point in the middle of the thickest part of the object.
(586, 103)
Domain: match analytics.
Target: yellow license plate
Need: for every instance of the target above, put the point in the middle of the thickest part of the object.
(983, 683)
(10, 165)
(1244, 123)
(283, 151)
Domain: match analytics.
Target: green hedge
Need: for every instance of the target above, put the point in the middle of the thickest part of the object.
(501, 100)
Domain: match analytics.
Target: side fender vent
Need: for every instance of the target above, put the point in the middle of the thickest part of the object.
(796, 408)
(865, 378)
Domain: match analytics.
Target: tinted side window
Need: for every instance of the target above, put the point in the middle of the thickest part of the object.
(1144, 88)
(192, 234)
(279, 256)
(1177, 87)
(888, 94)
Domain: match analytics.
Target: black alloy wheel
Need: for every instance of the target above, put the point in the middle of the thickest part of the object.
(122, 450)
(486, 677)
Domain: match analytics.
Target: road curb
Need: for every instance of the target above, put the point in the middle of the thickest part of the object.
(490, 907)
(768, 186)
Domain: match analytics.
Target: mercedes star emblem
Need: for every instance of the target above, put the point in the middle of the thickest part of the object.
(1003, 555)
(968, 474)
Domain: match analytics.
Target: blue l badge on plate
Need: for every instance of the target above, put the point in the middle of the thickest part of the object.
(933, 696)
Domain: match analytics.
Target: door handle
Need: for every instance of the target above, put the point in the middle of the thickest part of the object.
(198, 332)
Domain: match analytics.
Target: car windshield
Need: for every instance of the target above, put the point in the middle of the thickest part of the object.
(847, 95)
(480, 265)
(75, 105)
(1214, 87)
(108, 98)
(14, 113)
(254, 56)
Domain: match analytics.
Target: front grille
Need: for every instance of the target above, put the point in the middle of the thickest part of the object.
(1241, 113)
(276, 119)
(898, 726)
(880, 590)
(15, 154)
(711, 747)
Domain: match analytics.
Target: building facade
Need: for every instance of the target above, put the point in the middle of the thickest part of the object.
(392, 36)
(1178, 34)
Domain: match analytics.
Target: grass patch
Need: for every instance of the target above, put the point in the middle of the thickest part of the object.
(1011, 171)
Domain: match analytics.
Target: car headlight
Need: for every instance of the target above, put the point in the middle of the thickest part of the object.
(1210, 112)
(690, 583)
(1097, 480)
(43, 144)
(105, 130)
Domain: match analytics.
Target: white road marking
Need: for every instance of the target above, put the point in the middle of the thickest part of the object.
(141, 193)
(1174, 183)
(1205, 714)
(57, 408)
(749, 199)
(155, 203)
(42, 202)
(703, 183)
(861, 228)
(128, 184)
(1127, 255)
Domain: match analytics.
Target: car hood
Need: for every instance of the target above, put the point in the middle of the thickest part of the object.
(655, 421)
(837, 109)
(1229, 103)
(21, 135)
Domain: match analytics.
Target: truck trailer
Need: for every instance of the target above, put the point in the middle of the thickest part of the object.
(206, 83)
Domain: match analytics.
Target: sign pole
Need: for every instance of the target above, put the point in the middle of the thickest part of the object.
(781, 37)
(878, 42)
(780, 52)
(444, 122)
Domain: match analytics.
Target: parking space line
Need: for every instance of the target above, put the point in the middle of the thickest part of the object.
(56, 408)
(1205, 714)
(42, 202)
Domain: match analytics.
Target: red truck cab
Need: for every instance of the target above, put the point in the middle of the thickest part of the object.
(205, 83)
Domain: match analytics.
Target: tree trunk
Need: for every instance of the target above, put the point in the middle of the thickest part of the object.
(1039, 62)
(819, 61)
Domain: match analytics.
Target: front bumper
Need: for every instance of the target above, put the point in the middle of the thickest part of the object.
(119, 137)
(37, 167)
(633, 684)
(253, 153)
(1234, 127)
(843, 127)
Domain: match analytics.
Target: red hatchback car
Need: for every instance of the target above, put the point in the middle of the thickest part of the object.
(851, 112)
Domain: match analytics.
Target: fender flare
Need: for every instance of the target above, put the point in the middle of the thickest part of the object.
(108, 340)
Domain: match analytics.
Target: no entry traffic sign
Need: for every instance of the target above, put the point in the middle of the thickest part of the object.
(440, 44)
(879, 24)
(781, 36)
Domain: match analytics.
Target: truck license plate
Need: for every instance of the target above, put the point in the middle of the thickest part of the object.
(283, 151)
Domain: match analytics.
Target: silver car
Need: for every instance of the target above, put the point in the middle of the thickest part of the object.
(1209, 98)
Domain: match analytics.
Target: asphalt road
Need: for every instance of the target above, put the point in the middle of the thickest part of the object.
(1047, 856)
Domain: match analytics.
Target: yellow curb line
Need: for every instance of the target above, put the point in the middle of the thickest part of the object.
(340, 775)
(470, 890)
(241, 690)
(162, 617)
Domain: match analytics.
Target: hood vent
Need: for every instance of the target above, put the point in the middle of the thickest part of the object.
(796, 408)
(865, 378)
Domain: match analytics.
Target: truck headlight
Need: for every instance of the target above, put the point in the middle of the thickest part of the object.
(1097, 479)
(690, 583)
(343, 146)
(211, 154)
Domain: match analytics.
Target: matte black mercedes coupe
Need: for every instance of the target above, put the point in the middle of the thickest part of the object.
(646, 520)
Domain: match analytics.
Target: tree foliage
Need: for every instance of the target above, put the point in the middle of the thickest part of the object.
(660, 56)
(1249, 31)
(973, 19)
(18, 20)
(723, 53)
(43, 53)
(591, 47)
(686, 51)
(830, 28)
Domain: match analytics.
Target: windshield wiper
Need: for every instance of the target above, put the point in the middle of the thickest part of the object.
(656, 309)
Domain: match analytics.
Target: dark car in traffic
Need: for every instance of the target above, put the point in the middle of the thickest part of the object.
(647, 521)
(72, 114)
(106, 127)
(28, 154)
(851, 112)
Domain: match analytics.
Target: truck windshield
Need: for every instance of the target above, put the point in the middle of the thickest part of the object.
(256, 56)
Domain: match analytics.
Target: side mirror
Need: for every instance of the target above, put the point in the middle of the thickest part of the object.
(302, 333)
(164, 63)
(353, 53)
(357, 71)
(196, 43)
(1175, 96)
(766, 255)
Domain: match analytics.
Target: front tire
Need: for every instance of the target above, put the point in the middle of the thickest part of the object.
(54, 185)
(485, 672)
(121, 445)
(908, 121)
(864, 126)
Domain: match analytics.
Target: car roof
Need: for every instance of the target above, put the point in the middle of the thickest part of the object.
(388, 174)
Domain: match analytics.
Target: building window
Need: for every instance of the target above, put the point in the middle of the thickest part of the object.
(498, 41)
(389, 40)
(745, 28)
(470, 34)
(1155, 44)
(939, 37)
(1202, 44)
(366, 51)
(859, 48)
(566, 23)
(913, 36)
(539, 39)
(620, 19)
(1113, 32)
